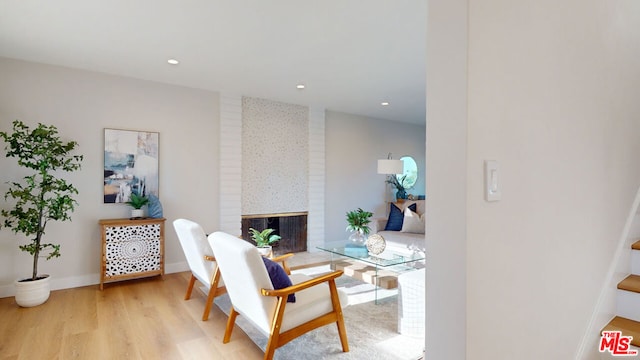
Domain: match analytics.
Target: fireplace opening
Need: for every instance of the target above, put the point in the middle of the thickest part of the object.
(292, 227)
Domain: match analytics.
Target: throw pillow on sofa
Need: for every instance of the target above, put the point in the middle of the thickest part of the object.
(413, 222)
(396, 218)
(279, 277)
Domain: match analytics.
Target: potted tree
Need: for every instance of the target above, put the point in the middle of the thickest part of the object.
(137, 202)
(41, 197)
(358, 221)
(264, 239)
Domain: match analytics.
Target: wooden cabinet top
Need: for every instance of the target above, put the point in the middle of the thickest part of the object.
(127, 221)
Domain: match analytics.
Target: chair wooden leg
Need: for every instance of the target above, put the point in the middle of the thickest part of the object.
(207, 308)
(342, 331)
(190, 287)
(272, 345)
(213, 292)
(230, 323)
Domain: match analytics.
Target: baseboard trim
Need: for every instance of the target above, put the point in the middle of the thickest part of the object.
(7, 290)
(176, 267)
(85, 280)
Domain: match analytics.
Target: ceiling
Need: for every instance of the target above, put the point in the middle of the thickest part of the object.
(350, 54)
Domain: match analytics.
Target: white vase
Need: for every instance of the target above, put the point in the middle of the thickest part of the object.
(265, 250)
(33, 293)
(137, 213)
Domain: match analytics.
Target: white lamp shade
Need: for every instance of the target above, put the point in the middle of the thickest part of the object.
(388, 166)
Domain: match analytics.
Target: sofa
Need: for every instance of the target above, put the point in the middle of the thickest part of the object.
(403, 227)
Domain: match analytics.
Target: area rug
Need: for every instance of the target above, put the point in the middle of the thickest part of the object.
(372, 329)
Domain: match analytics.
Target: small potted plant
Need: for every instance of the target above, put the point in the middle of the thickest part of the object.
(137, 202)
(41, 197)
(358, 221)
(264, 239)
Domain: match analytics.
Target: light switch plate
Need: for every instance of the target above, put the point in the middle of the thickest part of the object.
(492, 180)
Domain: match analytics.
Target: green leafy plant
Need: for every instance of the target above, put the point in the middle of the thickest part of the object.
(264, 237)
(358, 220)
(137, 201)
(42, 196)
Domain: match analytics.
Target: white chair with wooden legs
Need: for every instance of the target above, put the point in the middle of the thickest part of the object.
(201, 261)
(253, 296)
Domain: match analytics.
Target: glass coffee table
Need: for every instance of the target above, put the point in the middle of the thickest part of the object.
(373, 269)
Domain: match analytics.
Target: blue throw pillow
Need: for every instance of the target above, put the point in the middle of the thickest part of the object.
(396, 217)
(413, 207)
(279, 277)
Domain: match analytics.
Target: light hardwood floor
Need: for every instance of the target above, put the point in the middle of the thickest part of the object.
(135, 319)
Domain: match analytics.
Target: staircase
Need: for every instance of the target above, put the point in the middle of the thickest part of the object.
(628, 302)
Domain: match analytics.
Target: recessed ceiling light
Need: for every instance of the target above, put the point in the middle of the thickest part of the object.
(300, 86)
(384, 103)
(173, 61)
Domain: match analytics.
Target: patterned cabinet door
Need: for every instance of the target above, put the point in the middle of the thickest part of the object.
(132, 249)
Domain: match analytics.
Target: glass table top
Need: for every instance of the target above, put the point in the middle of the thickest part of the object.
(389, 257)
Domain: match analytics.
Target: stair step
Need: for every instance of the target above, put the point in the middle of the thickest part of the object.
(627, 304)
(636, 245)
(627, 327)
(628, 298)
(630, 283)
(635, 262)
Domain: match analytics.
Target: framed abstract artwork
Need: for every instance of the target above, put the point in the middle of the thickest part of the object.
(130, 164)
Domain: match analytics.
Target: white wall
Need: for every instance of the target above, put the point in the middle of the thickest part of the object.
(81, 104)
(553, 97)
(353, 146)
(446, 205)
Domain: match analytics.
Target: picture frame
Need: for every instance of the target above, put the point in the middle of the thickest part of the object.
(131, 161)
